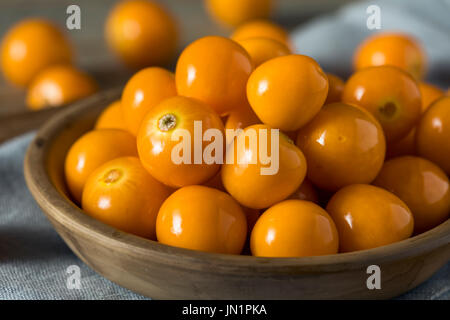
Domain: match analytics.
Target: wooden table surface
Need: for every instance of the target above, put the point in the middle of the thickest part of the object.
(93, 55)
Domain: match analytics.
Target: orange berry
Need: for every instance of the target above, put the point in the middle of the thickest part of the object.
(406, 146)
(263, 49)
(368, 217)
(429, 93)
(214, 70)
(159, 139)
(433, 134)
(335, 88)
(343, 145)
(31, 46)
(294, 228)
(305, 192)
(251, 214)
(58, 85)
(111, 117)
(243, 173)
(146, 89)
(215, 182)
(422, 185)
(122, 194)
(236, 12)
(212, 222)
(142, 33)
(390, 94)
(91, 151)
(287, 92)
(403, 147)
(262, 29)
(394, 49)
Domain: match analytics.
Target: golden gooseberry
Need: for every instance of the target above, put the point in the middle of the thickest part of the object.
(294, 228)
(171, 145)
(145, 89)
(241, 118)
(392, 48)
(406, 146)
(212, 221)
(422, 185)
(433, 134)
(429, 93)
(344, 144)
(306, 191)
(235, 12)
(262, 29)
(122, 194)
(390, 94)
(335, 88)
(90, 151)
(263, 49)
(255, 180)
(111, 117)
(287, 92)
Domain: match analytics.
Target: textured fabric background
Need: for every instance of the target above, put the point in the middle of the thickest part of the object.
(34, 260)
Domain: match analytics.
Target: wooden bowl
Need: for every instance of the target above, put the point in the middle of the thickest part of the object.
(163, 272)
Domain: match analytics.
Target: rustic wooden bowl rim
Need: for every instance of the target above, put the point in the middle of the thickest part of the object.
(65, 212)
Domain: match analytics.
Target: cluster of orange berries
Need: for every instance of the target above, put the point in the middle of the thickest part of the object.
(333, 192)
(35, 54)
